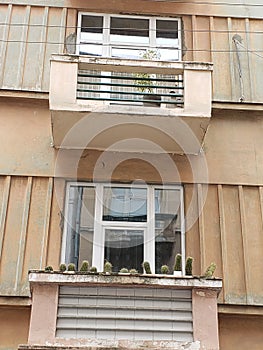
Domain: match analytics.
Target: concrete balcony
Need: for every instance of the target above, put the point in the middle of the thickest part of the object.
(106, 103)
(117, 311)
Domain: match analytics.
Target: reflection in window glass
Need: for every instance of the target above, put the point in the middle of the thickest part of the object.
(167, 228)
(124, 248)
(92, 24)
(129, 30)
(80, 225)
(166, 29)
(125, 204)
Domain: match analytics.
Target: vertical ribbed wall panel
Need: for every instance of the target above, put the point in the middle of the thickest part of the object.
(28, 37)
(25, 214)
(125, 313)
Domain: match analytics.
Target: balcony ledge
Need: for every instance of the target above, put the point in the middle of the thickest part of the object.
(118, 279)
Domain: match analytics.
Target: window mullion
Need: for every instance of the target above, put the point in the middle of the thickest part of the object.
(106, 51)
(152, 32)
(149, 239)
(182, 224)
(98, 244)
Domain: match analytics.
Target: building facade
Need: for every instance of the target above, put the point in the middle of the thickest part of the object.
(131, 131)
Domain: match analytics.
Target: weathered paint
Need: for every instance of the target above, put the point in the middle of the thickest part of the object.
(35, 30)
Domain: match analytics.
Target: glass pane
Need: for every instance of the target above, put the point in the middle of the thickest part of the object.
(124, 248)
(169, 54)
(91, 24)
(124, 52)
(167, 33)
(167, 228)
(129, 30)
(80, 225)
(87, 225)
(90, 49)
(91, 31)
(125, 204)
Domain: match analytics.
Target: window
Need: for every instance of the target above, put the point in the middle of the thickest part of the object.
(123, 224)
(128, 36)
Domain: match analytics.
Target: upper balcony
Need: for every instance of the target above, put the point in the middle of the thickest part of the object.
(106, 103)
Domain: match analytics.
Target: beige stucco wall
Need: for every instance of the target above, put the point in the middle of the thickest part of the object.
(239, 332)
(14, 325)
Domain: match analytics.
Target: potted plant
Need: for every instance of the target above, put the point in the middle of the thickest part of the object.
(147, 268)
(165, 269)
(210, 271)
(143, 82)
(178, 265)
(84, 266)
(107, 267)
(189, 266)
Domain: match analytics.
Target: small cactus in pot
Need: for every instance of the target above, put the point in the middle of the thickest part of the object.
(147, 268)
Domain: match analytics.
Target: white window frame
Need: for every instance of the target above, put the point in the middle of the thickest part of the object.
(100, 225)
(107, 46)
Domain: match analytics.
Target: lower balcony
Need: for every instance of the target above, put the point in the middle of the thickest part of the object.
(122, 311)
(108, 103)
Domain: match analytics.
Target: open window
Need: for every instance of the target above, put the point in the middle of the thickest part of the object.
(124, 224)
(128, 36)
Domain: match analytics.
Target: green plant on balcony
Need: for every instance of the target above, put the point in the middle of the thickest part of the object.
(210, 271)
(124, 270)
(189, 266)
(133, 271)
(62, 267)
(49, 269)
(147, 267)
(144, 83)
(93, 269)
(178, 265)
(164, 269)
(84, 266)
(107, 267)
(71, 267)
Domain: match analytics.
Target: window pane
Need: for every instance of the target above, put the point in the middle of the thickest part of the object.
(91, 31)
(167, 33)
(125, 204)
(124, 248)
(80, 225)
(129, 30)
(167, 228)
(169, 54)
(91, 24)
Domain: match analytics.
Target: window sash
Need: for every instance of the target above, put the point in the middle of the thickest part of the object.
(101, 225)
(154, 39)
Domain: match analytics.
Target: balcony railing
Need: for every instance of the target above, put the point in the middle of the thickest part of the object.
(80, 82)
(136, 88)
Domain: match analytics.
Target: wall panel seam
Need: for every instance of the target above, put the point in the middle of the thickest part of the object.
(45, 236)
(4, 43)
(201, 227)
(244, 242)
(23, 233)
(5, 200)
(223, 237)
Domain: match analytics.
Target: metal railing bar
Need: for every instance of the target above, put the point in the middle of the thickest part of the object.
(128, 100)
(122, 77)
(133, 85)
(127, 93)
